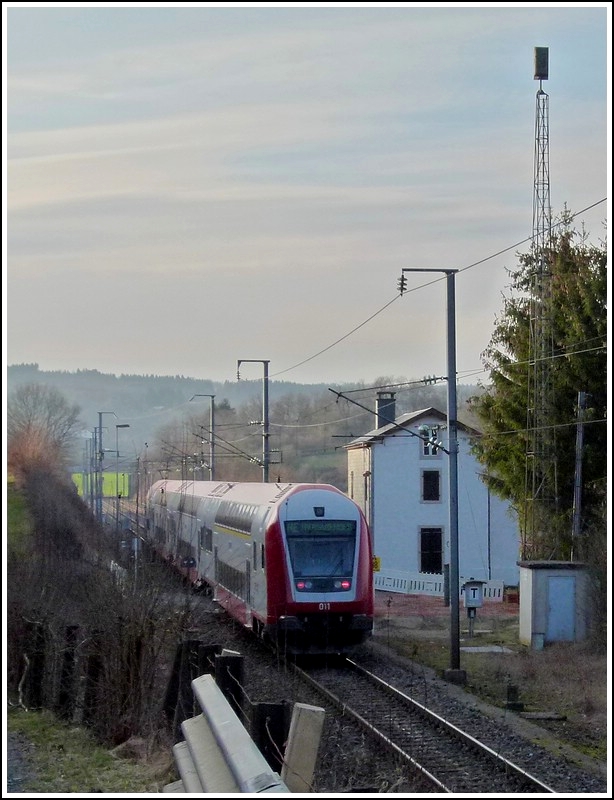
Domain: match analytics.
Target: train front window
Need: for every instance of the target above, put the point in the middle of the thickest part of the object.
(322, 553)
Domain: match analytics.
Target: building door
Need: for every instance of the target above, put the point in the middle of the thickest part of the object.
(560, 626)
(431, 556)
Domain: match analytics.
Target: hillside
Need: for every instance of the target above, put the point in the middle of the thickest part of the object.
(169, 417)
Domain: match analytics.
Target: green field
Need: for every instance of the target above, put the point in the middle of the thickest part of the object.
(113, 483)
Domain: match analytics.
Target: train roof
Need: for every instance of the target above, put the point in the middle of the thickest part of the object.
(245, 492)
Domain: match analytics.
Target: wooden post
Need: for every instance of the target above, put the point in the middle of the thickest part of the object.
(93, 670)
(66, 698)
(37, 645)
(302, 750)
(229, 667)
(270, 731)
(206, 658)
(188, 671)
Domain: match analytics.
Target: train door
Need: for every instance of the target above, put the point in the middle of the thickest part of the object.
(257, 572)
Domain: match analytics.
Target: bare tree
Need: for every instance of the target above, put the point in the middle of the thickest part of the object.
(41, 429)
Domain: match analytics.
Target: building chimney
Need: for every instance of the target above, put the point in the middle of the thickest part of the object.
(385, 410)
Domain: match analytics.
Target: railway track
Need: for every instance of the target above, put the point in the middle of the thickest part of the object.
(412, 747)
(399, 743)
(449, 759)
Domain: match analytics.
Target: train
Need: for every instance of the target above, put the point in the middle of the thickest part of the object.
(292, 562)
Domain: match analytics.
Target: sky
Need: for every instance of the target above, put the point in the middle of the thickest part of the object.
(190, 185)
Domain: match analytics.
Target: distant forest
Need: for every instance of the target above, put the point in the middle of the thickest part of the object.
(169, 420)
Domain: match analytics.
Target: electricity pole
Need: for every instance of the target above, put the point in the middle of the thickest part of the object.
(265, 413)
(99, 466)
(454, 673)
(211, 433)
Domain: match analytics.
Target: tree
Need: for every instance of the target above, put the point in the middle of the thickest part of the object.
(577, 327)
(41, 428)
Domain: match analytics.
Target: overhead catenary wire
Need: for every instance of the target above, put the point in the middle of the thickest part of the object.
(402, 385)
(464, 374)
(424, 285)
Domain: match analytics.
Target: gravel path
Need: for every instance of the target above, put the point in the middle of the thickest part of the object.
(19, 766)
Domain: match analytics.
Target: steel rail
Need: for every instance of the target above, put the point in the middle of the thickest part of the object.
(505, 767)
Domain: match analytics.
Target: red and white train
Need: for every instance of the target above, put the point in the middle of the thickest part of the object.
(291, 561)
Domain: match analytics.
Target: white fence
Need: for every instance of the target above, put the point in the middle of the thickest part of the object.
(429, 584)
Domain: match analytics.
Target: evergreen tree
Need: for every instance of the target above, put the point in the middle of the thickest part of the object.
(576, 328)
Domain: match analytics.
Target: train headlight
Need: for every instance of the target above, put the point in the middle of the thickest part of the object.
(344, 585)
(304, 586)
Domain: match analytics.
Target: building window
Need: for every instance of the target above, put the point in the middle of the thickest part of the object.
(431, 492)
(431, 557)
(431, 448)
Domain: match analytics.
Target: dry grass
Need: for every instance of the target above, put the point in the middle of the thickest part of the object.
(67, 759)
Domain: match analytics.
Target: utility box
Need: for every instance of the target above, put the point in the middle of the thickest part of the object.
(473, 593)
(554, 602)
(473, 596)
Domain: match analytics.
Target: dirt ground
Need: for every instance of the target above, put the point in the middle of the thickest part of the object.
(414, 609)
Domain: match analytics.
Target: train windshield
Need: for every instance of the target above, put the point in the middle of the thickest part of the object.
(321, 548)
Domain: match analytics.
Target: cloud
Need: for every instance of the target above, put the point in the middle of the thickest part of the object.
(198, 173)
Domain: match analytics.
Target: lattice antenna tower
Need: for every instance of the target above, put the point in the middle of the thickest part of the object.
(540, 478)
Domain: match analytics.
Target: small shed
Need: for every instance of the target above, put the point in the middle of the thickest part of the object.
(554, 602)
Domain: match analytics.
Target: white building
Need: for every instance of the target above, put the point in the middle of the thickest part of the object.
(401, 483)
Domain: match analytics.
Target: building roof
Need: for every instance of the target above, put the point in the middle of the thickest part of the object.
(403, 423)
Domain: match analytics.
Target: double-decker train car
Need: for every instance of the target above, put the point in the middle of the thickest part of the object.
(291, 561)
